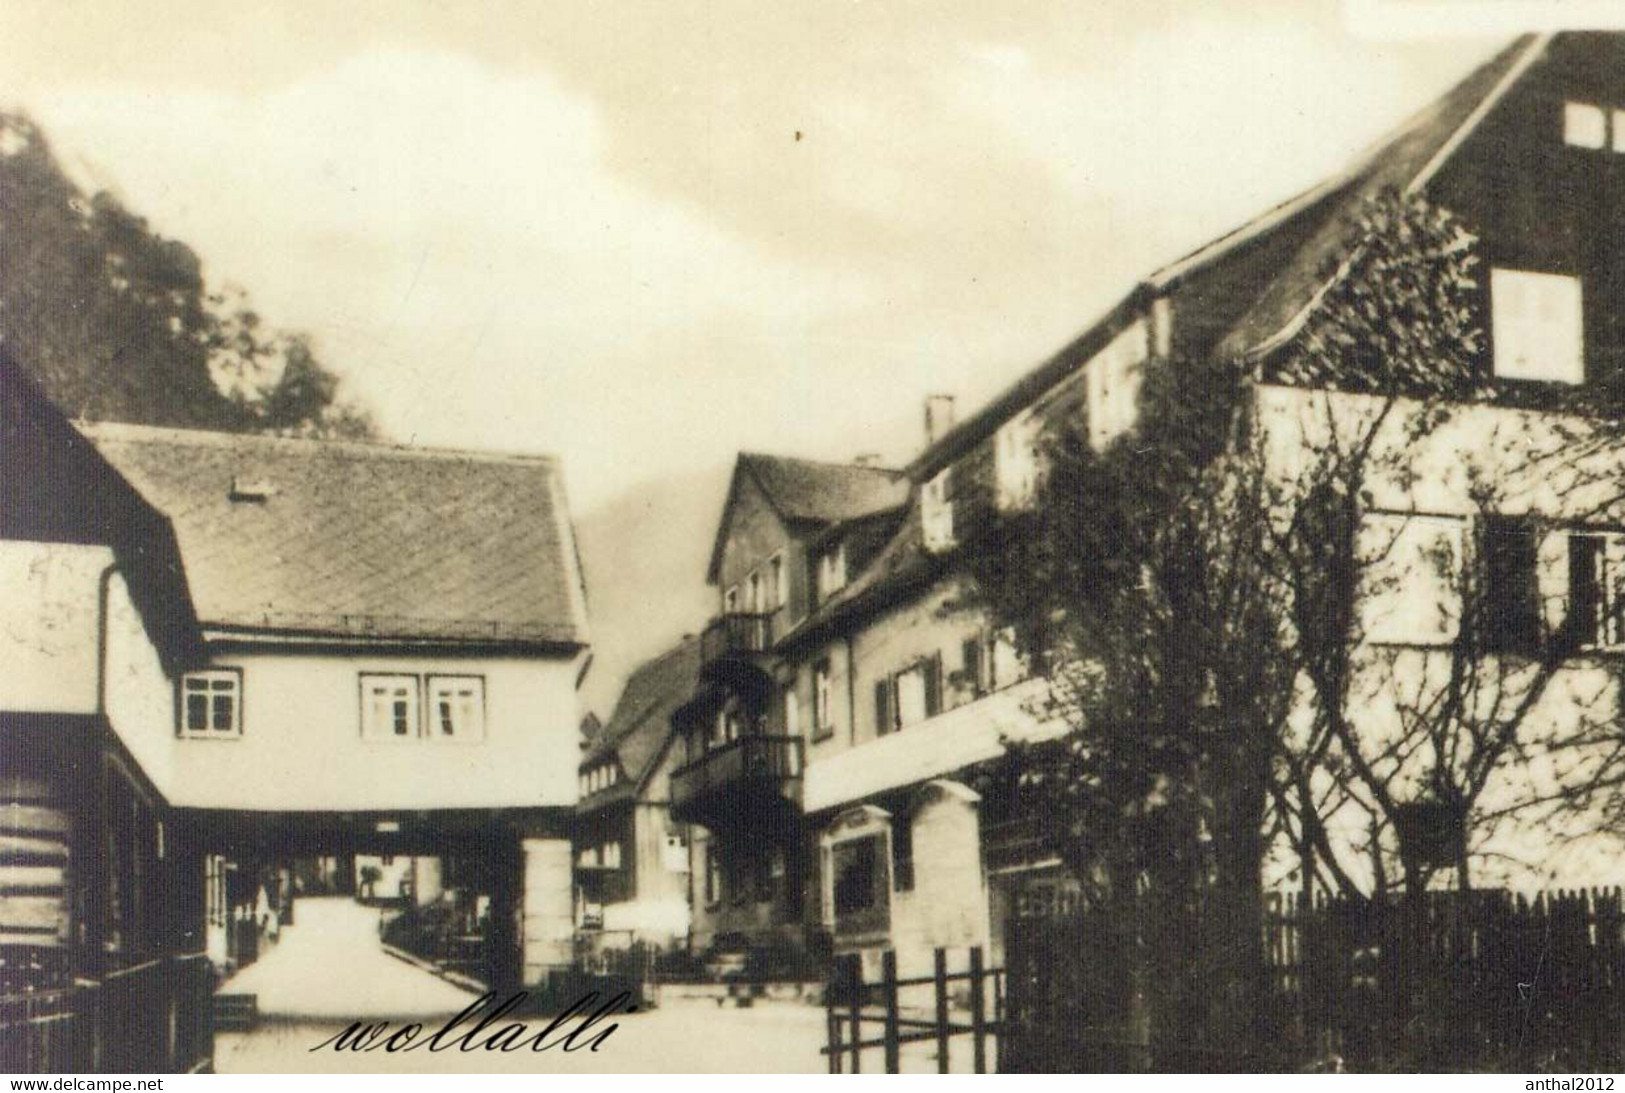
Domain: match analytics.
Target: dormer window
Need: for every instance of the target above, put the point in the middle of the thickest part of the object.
(832, 571)
(1538, 326)
(1114, 378)
(937, 513)
(1015, 459)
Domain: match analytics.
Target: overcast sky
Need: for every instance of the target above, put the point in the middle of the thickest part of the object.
(646, 236)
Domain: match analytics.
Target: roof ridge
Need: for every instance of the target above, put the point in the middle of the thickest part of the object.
(117, 431)
(835, 463)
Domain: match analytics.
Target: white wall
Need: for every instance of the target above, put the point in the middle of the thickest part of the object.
(140, 697)
(301, 746)
(1539, 464)
(49, 626)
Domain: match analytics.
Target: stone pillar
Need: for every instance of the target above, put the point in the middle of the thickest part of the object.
(548, 909)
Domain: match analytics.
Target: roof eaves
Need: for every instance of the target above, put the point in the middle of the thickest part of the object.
(1030, 386)
(1300, 318)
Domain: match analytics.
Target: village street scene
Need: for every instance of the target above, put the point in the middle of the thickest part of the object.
(819, 620)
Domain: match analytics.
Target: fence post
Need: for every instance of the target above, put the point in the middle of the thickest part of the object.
(977, 1023)
(888, 966)
(942, 1011)
(854, 966)
(832, 1036)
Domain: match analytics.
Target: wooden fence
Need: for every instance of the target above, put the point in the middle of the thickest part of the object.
(152, 1018)
(1477, 981)
(1492, 980)
(850, 1003)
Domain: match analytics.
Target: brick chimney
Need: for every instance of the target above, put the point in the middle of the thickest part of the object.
(939, 417)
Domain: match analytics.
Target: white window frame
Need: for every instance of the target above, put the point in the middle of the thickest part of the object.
(730, 600)
(754, 589)
(211, 683)
(832, 570)
(937, 512)
(371, 731)
(1538, 326)
(444, 687)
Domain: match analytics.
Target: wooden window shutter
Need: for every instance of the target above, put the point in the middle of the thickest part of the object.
(933, 684)
(883, 707)
(1510, 609)
(972, 659)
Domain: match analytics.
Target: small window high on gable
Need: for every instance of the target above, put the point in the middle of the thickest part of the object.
(1584, 125)
(1015, 458)
(1537, 322)
(832, 570)
(937, 513)
(1114, 378)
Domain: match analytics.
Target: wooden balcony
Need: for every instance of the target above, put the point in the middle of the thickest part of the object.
(736, 636)
(738, 778)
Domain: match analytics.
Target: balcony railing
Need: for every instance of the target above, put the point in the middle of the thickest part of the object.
(749, 766)
(736, 634)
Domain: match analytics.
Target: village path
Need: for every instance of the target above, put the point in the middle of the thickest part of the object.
(331, 964)
(330, 969)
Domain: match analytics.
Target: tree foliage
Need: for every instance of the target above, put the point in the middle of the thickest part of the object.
(117, 322)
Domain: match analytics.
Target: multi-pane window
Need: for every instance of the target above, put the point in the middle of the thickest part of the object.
(823, 699)
(389, 707)
(457, 708)
(1537, 325)
(1015, 458)
(212, 703)
(937, 512)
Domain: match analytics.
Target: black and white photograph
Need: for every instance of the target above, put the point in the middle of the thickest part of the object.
(581, 537)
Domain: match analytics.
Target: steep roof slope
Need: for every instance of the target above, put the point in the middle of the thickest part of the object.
(802, 489)
(808, 491)
(362, 540)
(1236, 295)
(638, 730)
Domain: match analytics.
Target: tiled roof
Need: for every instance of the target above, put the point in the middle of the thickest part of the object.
(1245, 287)
(639, 728)
(343, 539)
(809, 491)
(1241, 292)
(1405, 160)
(802, 489)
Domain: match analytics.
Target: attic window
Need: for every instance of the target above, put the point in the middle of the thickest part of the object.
(832, 570)
(937, 513)
(1584, 125)
(258, 490)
